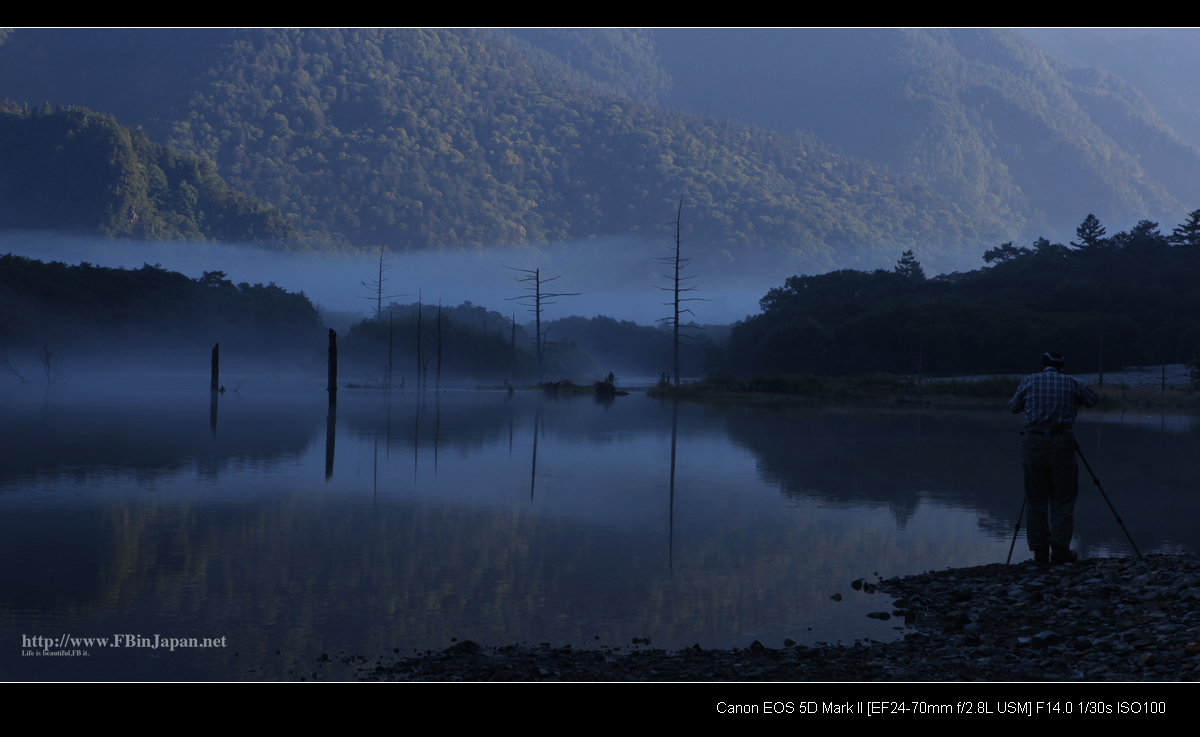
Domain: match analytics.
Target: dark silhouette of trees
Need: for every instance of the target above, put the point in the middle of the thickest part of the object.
(1188, 232)
(85, 307)
(909, 267)
(1141, 284)
(1092, 241)
(1005, 252)
(1090, 234)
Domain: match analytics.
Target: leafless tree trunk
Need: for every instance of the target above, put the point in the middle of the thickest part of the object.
(679, 285)
(540, 300)
(376, 286)
(51, 359)
(6, 364)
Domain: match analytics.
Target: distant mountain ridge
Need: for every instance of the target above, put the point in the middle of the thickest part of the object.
(953, 140)
(1160, 62)
(982, 116)
(428, 139)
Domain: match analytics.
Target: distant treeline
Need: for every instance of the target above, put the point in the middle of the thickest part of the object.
(480, 344)
(475, 343)
(1132, 298)
(75, 170)
(86, 308)
(627, 348)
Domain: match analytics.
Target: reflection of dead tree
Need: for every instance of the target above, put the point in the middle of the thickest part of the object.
(7, 366)
(512, 350)
(678, 286)
(437, 382)
(51, 360)
(387, 382)
(422, 362)
(540, 299)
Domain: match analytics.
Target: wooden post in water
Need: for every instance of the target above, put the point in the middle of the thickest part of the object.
(332, 387)
(330, 437)
(216, 367)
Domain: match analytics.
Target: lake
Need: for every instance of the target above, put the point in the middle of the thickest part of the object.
(141, 508)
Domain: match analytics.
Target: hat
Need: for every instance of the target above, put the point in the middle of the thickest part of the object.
(1052, 359)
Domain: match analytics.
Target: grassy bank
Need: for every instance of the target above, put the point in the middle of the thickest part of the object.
(809, 387)
(901, 389)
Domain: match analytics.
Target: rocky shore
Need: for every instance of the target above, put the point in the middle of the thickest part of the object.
(1104, 619)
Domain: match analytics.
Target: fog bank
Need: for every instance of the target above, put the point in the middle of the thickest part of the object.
(617, 277)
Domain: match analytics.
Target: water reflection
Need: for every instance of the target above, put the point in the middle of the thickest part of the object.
(121, 512)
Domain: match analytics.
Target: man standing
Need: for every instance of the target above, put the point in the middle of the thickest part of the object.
(1049, 400)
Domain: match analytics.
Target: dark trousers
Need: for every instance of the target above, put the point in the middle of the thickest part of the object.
(1051, 488)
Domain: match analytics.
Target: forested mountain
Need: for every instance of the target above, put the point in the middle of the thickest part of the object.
(420, 139)
(984, 117)
(442, 138)
(1160, 62)
(74, 170)
(615, 61)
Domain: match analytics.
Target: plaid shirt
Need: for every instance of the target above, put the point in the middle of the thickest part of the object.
(1051, 398)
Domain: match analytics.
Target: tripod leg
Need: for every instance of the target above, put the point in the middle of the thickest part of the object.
(1016, 531)
(1106, 501)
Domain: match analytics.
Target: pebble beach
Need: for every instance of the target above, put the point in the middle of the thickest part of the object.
(1096, 620)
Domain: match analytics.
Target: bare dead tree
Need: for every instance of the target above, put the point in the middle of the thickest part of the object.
(8, 367)
(679, 285)
(376, 286)
(52, 361)
(540, 300)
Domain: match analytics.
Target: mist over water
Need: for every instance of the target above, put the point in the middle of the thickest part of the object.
(617, 277)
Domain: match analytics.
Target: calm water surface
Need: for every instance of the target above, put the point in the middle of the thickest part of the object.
(146, 510)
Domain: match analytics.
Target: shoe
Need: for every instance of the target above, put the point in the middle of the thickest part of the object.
(1041, 556)
(1063, 555)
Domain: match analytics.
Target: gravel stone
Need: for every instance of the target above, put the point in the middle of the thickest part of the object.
(1101, 619)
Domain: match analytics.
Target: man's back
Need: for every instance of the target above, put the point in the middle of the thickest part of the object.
(1051, 398)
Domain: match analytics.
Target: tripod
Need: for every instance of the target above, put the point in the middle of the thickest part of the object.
(1106, 501)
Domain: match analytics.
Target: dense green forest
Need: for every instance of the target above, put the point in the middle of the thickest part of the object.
(75, 170)
(416, 138)
(1135, 289)
(88, 309)
(431, 138)
(983, 116)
